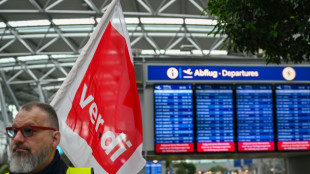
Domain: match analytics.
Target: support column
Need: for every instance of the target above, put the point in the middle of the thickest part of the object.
(4, 110)
(298, 165)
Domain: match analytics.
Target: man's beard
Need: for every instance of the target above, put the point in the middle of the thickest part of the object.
(24, 163)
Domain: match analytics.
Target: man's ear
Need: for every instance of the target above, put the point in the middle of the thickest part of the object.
(56, 138)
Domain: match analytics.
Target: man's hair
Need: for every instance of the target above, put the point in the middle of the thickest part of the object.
(52, 115)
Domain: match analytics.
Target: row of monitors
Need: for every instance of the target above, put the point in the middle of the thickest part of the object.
(229, 118)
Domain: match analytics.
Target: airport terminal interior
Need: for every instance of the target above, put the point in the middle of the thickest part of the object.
(205, 110)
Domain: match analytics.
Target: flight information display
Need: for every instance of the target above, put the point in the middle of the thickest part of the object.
(255, 126)
(293, 117)
(215, 118)
(174, 118)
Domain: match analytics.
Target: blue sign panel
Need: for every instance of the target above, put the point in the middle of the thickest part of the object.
(237, 162)
(215, 118)
(293, 117)
(227, 73)
(247, 161)
(174, 118)
(255, 130)
(153, 168)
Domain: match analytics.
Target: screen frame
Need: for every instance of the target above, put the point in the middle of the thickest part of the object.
(234, 85)
(233, 115)
(273, 117)
(276, 117)
(193, 121)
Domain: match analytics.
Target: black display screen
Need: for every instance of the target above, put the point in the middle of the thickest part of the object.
(174, 118)
(255, 126)
(293, 117)
(215, 118)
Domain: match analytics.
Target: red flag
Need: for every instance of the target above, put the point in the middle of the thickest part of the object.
(98, 104)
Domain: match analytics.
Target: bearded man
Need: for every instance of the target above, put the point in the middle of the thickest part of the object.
(35, 136)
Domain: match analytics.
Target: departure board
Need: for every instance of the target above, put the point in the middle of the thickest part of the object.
(293, 117)
(174, 118)
(215, 118)
(255, 126)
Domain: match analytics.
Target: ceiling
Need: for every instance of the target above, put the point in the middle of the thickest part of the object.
(36, 56)
(147, 37)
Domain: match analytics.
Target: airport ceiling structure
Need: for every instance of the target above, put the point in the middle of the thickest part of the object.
(41, 39)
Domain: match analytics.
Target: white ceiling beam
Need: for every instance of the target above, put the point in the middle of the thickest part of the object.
(7, 86)
(19, 11)
(53, 5)
(3, 107)
(3, 1)
(40, 92)
(165, 6)
(148, 8)
(27, 70)
(136, 40)
(91, 4)
(175, 43)
(217, 43)
(60, 68)
(22, 41)
(36, 5)
(47, 73)
(196, 5)
(133, 34)
(15, 75)
(194, 43)
(7, 44)
(47, 44)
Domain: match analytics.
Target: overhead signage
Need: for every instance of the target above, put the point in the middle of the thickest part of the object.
(227, 73)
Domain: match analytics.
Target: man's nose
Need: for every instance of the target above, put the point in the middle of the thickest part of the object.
(19, 137)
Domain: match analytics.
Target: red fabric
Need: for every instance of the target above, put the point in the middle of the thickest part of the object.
(111, 83)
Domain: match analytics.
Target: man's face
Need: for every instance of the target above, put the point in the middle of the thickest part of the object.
(37, 151)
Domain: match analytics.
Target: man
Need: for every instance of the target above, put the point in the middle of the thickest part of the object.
(35, 136)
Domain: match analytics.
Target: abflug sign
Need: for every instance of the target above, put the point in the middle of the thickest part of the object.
(228, 73)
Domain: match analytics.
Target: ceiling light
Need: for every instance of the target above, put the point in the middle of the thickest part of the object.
(162, 20)
(131, 20)
(81, 21)
(61, 79)
(29, 23)
(7, 60)
(205, 52)
(147, 52)
(219, 52)
(28, 58)
(61, 56)
(177, 52)
(200, 21)
(187, 47)
(2, 25)
(51, 87)
(197, 52)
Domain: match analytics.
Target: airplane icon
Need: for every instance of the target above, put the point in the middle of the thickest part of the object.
(157, 87)
(188, 71)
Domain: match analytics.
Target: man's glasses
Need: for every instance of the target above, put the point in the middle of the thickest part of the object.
(27, 131)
